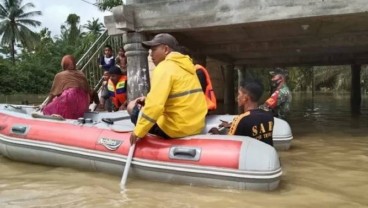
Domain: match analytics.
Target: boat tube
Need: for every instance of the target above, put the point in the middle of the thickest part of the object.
(91, 143)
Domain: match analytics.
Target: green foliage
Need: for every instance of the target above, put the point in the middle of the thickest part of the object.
(34, 70)
(7, 78)
(14, 23)
(104, 5)
(300, 78)
(71, 31)
(94, 27)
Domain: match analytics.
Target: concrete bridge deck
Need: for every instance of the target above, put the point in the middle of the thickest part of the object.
(255, 33)
(247, 33)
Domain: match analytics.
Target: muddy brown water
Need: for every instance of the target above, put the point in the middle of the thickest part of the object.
(327, 166)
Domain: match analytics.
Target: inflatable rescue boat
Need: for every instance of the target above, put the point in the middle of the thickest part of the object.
(100, 142)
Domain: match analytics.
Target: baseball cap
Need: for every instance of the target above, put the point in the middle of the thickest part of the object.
(162, 38)
(278, 71)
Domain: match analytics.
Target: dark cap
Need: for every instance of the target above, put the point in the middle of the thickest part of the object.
(162, 38)
(278, 71)
(115, 70)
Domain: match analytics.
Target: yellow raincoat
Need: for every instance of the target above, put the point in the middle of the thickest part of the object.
(176, 101)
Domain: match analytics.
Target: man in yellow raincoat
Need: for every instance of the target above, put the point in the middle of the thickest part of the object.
(175, 106)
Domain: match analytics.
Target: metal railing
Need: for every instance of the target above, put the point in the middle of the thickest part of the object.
(89, 63)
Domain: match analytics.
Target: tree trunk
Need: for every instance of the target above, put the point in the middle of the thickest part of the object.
(12, 51)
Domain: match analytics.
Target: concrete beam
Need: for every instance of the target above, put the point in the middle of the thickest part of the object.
(311, 60)
(174, 15)
(123, 17)
(111, 26)
(298, 44)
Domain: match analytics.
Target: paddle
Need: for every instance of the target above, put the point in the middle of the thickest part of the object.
(112, 120)
(125, 129)
(127, 166)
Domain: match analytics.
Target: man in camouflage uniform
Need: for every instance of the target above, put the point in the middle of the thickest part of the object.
(279, 102)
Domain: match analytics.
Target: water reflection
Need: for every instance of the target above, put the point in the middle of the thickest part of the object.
(325, 167)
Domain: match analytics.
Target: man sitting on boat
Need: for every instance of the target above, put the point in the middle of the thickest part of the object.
(117, 88)
(175, 106)
(70, 93)
(254, 122)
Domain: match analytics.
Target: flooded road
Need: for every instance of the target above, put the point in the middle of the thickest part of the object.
(325, 167)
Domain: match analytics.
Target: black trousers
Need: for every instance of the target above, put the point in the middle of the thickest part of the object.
(155, 128)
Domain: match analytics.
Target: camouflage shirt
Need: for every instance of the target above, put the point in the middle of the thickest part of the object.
(280, 101)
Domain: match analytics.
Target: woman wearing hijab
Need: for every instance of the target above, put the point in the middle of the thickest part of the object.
(70, 93)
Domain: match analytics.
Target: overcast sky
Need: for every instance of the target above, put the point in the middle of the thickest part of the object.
(55, 12)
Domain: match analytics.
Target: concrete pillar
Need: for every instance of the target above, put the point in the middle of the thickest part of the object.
(229, 95)
(313, 82)
(137, 65)
(200, 59)
(242, 71)
(241, 77)
(355, 94)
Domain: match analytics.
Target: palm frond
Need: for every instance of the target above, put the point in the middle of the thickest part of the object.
(30, 14)
(3, 12)
(14, 29)
(30, 22)
(27, 37)
(27, 6)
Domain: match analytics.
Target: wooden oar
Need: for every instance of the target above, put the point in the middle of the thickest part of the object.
(127, 166)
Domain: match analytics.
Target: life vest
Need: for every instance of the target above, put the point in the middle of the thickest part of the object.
(209, 93)
(272, 101)
(118, 92)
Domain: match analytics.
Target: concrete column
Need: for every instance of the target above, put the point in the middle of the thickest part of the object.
(229, 95)
(241, 77)
(355, 94)
(241, 73)
(313, 86)
(200, 59)
(137, 65)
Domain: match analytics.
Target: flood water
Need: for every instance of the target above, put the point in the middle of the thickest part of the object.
(327, 166)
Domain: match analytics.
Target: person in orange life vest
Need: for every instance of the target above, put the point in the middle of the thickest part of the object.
(254, 122)
(206, 84)
(117, 88)
(204, 79)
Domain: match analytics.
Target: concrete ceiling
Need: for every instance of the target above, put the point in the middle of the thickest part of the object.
(256, 33)
(310, 41)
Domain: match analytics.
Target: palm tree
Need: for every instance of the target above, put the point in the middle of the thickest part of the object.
(94, 27)
(14, 22)
(74, 28)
